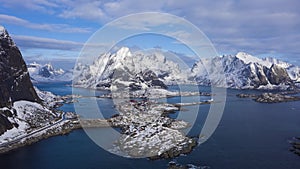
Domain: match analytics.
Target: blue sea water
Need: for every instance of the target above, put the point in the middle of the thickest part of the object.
(250, 136)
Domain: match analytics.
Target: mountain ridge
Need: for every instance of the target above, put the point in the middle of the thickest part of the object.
(241, 71)
(133, 70)
(47, 73)
(244, 71)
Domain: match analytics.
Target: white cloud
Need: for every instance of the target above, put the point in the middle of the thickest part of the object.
(231, 25)
(46, 6)
(64, 28)
(46, 43)
(144, 21)
(82, 9)
(32, 43)
(180, 35)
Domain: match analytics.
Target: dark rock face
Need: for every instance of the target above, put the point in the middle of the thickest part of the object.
(262, 78)
(103, 85)
(45, 72)
(244, 75)
(189, 145)
(5, 124)
(152, 79)
(262, 75)
(135, 81)
(15, 82)
(278, 75)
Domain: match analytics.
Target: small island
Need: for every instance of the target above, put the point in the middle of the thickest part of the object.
(295, 145)
(147, 131)
(270, 97)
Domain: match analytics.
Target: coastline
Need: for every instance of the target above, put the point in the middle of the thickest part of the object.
(70, 125)
(271, 97)
(34, 139)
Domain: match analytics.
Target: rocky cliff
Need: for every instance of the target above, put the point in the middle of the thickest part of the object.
(15, 82)
(244, 71)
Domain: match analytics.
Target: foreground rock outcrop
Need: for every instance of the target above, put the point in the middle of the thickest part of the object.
(26, 114)
(15, 84)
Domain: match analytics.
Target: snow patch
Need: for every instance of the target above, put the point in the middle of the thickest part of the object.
(2, 29)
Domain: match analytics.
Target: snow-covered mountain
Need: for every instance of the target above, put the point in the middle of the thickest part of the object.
(134, 70)
(142, 70)
(244, 71)
(46, 73)
(21, 109)
(26, 114)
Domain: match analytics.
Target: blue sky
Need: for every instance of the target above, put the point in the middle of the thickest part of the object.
(55, 30)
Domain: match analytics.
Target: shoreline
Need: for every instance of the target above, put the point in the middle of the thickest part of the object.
(34, 139)
(74, 124)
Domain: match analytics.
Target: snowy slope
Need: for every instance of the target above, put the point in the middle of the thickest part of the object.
(46, 73)
(137, 69)
(293, 71)
(21, 109)
(26, 117)
(244, 71)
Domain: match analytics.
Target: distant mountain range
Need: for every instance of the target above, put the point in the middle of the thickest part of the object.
(46, 73)
(142, 70)
(138, 70)
(244, 71)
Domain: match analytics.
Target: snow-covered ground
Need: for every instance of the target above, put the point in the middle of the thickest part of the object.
(147, 132)
(28, 117)
(151, 93)
(48, 98)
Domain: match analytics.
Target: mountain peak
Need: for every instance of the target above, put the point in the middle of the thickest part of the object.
(123, 52)
(14, 78)
(3, 32)
(6, 40)
(49, 66)
(125, 68)
(247, 58)
(2, 29)
(47, 73)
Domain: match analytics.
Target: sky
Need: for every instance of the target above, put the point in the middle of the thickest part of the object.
(56, 30)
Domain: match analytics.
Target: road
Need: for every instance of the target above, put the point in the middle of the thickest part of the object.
(32, 133)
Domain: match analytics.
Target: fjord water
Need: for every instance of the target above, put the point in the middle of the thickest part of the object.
(250, 136)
